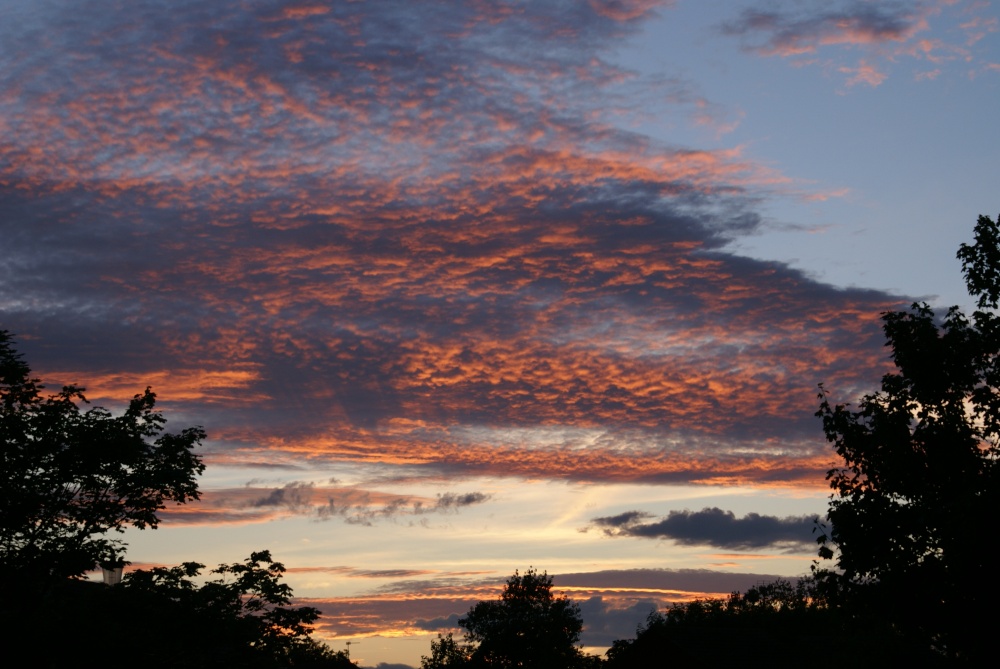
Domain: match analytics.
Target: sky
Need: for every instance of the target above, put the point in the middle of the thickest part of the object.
(458, 288)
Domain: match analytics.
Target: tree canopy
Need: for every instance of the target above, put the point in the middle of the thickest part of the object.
(169, 617)
(69, 476)
(241, 618)
(778, 624)
(526, 627)
(918, 488)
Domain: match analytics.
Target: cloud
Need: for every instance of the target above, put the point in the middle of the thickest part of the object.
(675, 584)
(864, 73)
(786, 34)
(817, 33)
(613, 602)
(715, 527)
(413, 240)
(454, 501)
(352, 505)
(449, 622)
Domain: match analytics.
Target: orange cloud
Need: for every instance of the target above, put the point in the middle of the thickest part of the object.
(864, 73)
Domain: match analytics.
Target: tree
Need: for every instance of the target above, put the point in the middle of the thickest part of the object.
(446, 653)
(526, 627)
(778, 624)
(70, 476)
(168, 617)
(242, 618)
(918, 491)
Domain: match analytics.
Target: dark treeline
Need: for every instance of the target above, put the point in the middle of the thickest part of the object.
(771, 625)
(162, 618)
(778, 624)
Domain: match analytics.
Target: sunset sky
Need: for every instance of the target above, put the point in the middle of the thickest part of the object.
(463, 287)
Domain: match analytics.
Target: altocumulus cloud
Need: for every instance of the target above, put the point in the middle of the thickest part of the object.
(415, 239)
(714, 527)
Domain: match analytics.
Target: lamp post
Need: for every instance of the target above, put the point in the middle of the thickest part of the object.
(112, 571)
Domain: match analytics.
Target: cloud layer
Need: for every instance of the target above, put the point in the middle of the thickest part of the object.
(425, 240)
(612, 602)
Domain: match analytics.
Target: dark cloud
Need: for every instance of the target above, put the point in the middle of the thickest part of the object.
(454, 501)
(702, 582)
(715, 527)
(626, 519)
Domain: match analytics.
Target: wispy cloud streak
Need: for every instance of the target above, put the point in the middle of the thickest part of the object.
(885, 32)
(352, 505)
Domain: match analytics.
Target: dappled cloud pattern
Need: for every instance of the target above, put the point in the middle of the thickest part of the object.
(420, 239)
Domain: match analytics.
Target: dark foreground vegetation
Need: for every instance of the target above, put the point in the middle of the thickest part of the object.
(772, 625)
(906, 576)
(527, 627)
(163, 618)
(69, 477)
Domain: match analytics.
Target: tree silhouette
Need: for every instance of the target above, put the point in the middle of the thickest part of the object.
(528, 627)
(68, 476)
(169, 618)
(778, 624)
(447, 653)
(241, 618)
(918, 489)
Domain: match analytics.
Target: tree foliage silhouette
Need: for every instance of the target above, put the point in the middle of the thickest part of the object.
(447, 653)
(69, 476)
(527, 627)
(241, 618)
(918, 489)
(778, 624)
